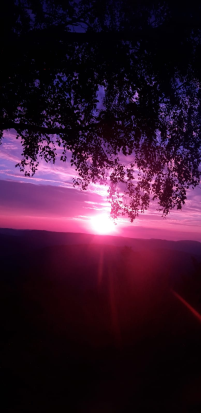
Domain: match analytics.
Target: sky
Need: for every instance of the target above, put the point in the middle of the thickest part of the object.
(48, 201)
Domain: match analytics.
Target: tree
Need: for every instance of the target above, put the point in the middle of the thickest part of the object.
(144, 141)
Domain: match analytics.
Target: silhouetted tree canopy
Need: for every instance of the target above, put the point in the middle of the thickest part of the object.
(144, 140)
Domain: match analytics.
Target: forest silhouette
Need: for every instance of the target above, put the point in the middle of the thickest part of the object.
(143, 138)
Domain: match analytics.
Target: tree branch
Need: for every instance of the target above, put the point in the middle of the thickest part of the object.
(35, 128)
(46, 130)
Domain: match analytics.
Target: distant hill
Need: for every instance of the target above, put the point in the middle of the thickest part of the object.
(29, 239)
(154, 255)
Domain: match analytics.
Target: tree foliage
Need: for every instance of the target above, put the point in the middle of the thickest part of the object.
(144, 140)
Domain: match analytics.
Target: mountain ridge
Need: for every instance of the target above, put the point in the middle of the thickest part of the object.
(40, 238)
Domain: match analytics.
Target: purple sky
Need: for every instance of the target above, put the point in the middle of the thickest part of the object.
(49, 201)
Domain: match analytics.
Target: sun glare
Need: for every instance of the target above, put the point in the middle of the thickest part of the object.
(102, 224)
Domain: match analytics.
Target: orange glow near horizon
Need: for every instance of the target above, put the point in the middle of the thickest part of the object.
(102, 224)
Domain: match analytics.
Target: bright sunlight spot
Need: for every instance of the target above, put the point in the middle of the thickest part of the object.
(102, 224)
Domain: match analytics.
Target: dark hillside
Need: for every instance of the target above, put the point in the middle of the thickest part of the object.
(96, 328)
(15, 243)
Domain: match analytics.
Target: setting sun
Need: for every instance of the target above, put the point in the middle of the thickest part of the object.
(102, 224)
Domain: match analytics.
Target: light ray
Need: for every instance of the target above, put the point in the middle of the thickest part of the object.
(100, 269)
(187, 305)
(113, 308)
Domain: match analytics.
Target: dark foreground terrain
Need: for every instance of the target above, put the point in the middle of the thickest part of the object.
(92, 324)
